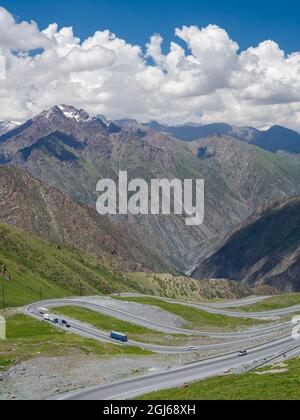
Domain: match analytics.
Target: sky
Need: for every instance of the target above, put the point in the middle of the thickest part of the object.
(246, 21)
(232, 61)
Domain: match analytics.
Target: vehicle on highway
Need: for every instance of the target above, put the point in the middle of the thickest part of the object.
(42, 311)
(49, 318)
(193, 348)
(243, 353)
(61, 322)
(119, 337)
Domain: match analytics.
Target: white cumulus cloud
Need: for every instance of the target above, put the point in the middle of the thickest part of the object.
(208, 80)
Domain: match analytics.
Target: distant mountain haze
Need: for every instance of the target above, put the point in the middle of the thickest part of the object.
(275, 139)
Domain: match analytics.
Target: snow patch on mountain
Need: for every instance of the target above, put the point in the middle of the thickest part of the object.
(6, 126)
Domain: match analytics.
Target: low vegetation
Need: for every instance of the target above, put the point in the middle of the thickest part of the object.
(108, 324)
(33, 269)
(185, 288)
(28, 338)
(282, 382)
(273, 303)
(195, 318)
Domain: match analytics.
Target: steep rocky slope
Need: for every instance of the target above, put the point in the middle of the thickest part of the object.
(32, 269)
(36, 269)
(44, 211)
(67, 149)
(188, 289)
(263, 250)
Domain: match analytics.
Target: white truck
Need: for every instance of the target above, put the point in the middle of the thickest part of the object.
(42, 311)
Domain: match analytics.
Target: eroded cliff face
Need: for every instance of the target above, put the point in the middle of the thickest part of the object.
(66, 149)
(46, 212)
(263, 250)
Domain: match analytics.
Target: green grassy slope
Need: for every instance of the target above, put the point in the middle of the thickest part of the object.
(33, 267)
(107, 323)
(195, 318)
(284, 385)
(273, 303)
(185, 288)
(28, 338)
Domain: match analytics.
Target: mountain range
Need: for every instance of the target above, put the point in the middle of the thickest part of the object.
(275, 139)
(263, 250)
(64, 152)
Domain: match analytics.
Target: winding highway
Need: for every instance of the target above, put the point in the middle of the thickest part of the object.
(217, 308)
(87, 331)
(136, 386)
(156, 326)
(251, 300)
(141, 385)
(271, 315)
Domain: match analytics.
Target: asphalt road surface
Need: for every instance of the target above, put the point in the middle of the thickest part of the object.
(160, 327)
(88, 331)
(216, 308)
(252, 300)
(134, 387)
(141, 385)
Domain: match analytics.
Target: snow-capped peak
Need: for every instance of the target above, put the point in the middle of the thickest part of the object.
(76, 114)
(67, 111)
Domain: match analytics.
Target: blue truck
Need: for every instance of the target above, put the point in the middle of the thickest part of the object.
(119, 337)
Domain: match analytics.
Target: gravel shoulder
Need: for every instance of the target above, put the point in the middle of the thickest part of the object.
(149, 313)
(46, 377)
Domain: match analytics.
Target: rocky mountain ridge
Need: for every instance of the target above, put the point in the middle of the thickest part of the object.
(67, 149)
(263, 250)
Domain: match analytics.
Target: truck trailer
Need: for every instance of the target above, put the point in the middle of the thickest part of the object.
(119, 337)
(42, 311)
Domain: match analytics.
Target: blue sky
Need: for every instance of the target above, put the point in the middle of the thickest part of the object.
(247, 22)
(203, 76)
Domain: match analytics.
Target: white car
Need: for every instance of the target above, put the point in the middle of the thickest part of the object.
(193, 348)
